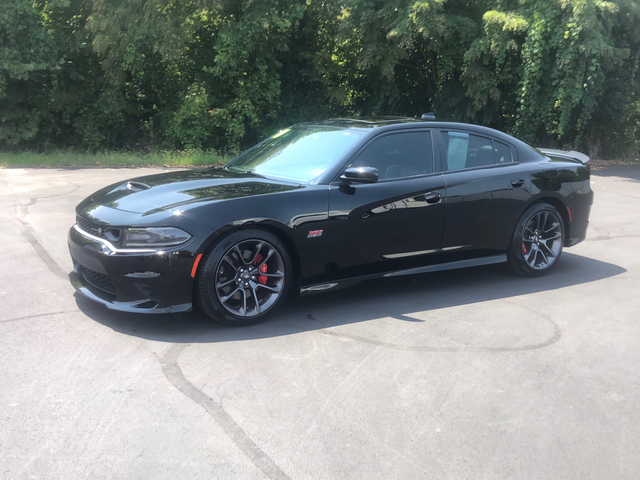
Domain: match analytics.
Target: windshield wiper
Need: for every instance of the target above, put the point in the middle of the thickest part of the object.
(246, 172)
(259, 175)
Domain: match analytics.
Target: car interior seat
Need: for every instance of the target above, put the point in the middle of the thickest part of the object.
(482, 157)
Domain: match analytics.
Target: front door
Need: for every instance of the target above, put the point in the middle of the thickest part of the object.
(395, 223)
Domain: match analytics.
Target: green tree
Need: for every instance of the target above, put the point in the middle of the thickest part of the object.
(29, 63)
(224, 73)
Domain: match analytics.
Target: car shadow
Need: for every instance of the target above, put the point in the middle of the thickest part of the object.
(392, 297)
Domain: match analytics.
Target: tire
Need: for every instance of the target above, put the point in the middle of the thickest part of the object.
(244, 277)
(537, 241)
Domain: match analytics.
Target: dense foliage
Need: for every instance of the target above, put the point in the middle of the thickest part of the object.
(95, 74)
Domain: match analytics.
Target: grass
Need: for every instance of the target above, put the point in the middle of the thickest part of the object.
(189, 158)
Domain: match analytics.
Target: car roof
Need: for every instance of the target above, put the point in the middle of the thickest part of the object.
(393, 123)
(363, 122)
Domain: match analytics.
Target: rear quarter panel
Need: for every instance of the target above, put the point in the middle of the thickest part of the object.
(565, 184)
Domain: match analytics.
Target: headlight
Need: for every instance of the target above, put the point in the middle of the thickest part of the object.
(153, 237)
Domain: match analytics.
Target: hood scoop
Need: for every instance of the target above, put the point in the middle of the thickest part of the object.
(131, 186)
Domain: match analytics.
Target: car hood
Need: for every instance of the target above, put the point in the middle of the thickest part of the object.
(180, 190)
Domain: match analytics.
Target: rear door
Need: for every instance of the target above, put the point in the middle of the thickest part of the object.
(486, 191)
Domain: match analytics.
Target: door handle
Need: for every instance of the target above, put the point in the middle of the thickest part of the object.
(432, 198)
(517, 182)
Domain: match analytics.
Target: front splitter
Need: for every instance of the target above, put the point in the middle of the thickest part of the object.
(139, 306)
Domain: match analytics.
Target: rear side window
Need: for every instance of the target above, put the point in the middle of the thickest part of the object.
(502, 152)
(464, 150)
(399, 155)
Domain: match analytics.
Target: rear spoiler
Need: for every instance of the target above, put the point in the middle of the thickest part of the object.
(573, 155)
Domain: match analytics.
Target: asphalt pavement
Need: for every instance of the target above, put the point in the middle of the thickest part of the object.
(468, 374)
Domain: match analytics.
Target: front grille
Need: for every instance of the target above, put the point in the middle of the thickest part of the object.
(90, 227)
(98, 280)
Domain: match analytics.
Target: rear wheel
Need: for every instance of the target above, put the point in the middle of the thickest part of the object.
(244, 277)
(537, 241)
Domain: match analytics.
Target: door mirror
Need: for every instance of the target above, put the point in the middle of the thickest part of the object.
(361, 174)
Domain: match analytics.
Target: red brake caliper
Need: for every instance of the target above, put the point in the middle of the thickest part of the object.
(263, 269)
(524, 249)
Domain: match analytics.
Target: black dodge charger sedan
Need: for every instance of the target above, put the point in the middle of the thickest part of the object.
(324, 205)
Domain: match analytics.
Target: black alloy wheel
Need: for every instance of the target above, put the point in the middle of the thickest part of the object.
(244, 277)
(537, 241)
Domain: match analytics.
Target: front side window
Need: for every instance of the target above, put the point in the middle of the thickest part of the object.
(398, 155)
(299, 153)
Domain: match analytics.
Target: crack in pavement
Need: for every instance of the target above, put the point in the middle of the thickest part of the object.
(238, 436)
(241, 439)
(29, 233)
(557, 334)
(29, 317)
(600, 238)
(619, 194)
(42, 253)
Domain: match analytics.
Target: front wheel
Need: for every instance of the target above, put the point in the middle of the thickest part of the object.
(537, 241)
(244, 277)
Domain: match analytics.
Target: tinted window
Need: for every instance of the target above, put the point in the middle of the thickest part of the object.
(399, 155)
(503, 152)
(463, 150)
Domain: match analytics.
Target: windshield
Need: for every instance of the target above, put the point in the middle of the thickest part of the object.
(299, 153)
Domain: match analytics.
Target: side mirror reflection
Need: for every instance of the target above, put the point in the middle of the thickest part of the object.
(361, 174)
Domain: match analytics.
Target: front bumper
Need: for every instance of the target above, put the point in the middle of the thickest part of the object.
(131, 280)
